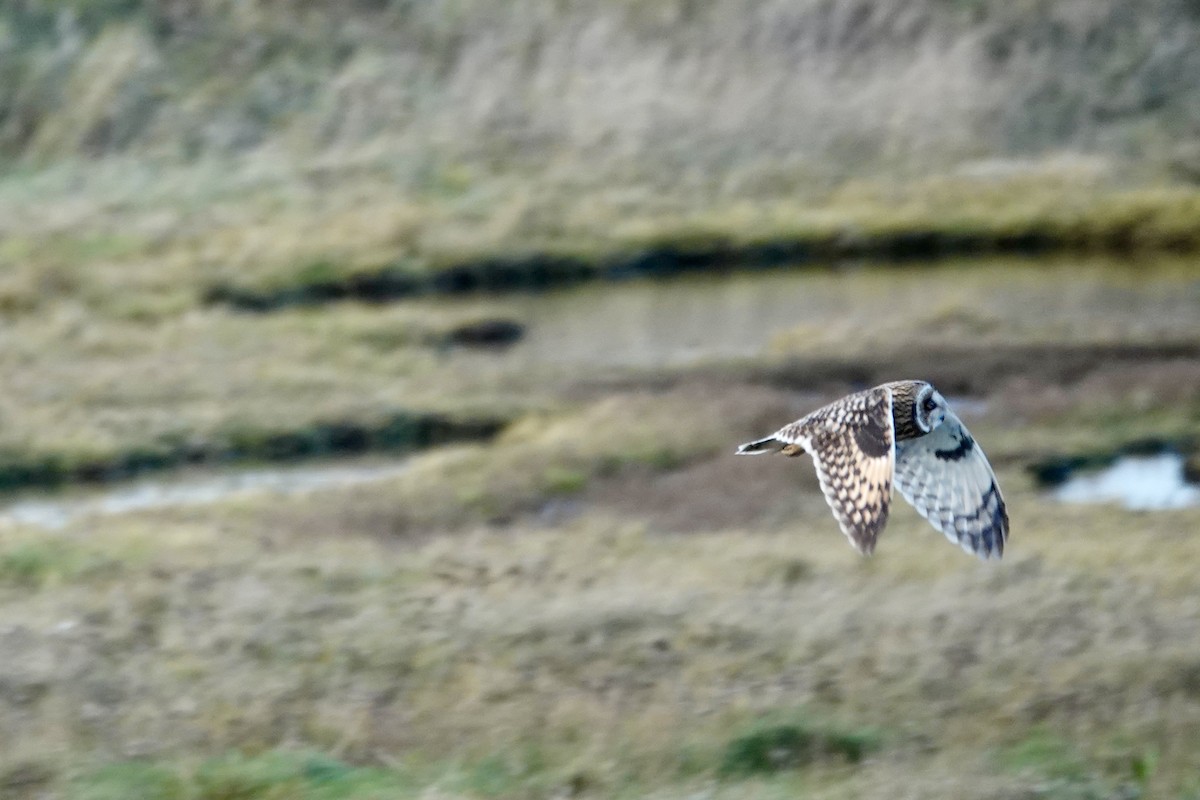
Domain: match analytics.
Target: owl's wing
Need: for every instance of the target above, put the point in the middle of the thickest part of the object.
(948, 479)
(851, 446)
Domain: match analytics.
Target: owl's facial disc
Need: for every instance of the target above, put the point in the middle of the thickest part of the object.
(929, 411)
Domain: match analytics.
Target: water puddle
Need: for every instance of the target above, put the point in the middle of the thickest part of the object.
(54, 512)
(699, 318)
(1140, 483)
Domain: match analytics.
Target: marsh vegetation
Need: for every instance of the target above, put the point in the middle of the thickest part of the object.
(601, 601)
(535, 268)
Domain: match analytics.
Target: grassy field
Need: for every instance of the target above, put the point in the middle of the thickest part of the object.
(603, 601)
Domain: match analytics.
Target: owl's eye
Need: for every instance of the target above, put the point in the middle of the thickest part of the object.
(930, 404)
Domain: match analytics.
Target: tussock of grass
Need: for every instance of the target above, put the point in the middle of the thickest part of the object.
(772, 748)
(28, 565)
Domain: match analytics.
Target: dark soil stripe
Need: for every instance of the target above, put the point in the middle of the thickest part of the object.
(400, 432)
(540, 271)
(971, 370)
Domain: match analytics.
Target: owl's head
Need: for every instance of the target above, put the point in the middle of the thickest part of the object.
(929, 408)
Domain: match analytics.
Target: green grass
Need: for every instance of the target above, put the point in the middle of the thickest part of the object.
(935, 218)
(515, 772)
(117, 781)
(1069, 775)
(309, 776)
(29, 565)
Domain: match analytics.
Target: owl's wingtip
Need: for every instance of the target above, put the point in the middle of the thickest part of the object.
(987, 551)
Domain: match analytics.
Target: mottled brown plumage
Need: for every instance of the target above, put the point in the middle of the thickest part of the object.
(902, 432)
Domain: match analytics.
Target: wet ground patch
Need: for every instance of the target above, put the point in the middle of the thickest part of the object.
(1053, 471)
(1146, 474)
(56, 512)
(1156, 481)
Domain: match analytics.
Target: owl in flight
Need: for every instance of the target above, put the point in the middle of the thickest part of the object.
(901, 431)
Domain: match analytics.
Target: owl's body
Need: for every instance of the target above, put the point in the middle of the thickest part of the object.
(902, 433)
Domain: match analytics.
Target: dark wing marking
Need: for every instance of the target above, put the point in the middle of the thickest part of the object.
(851, 446)
(948, 479)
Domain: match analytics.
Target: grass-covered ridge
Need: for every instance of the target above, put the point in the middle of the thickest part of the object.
(295, 152)
(935, 219)
(265, 247)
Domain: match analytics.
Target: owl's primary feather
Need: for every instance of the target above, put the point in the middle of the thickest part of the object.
(948, 479)
(901, 431)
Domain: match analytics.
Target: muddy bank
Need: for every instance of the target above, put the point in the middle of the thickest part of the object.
(398, 433)
(972, 371)
(540, 271)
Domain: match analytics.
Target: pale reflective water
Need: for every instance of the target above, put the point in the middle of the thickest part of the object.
(55, 512)
(842, 312)
(1141, 483)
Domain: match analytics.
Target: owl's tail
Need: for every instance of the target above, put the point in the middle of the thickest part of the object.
(767, 445)
(770, 445)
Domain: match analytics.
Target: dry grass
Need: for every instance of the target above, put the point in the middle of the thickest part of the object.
(620, 84)
(610, 602)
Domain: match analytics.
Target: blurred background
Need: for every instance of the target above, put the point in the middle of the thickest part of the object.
(372, 372)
